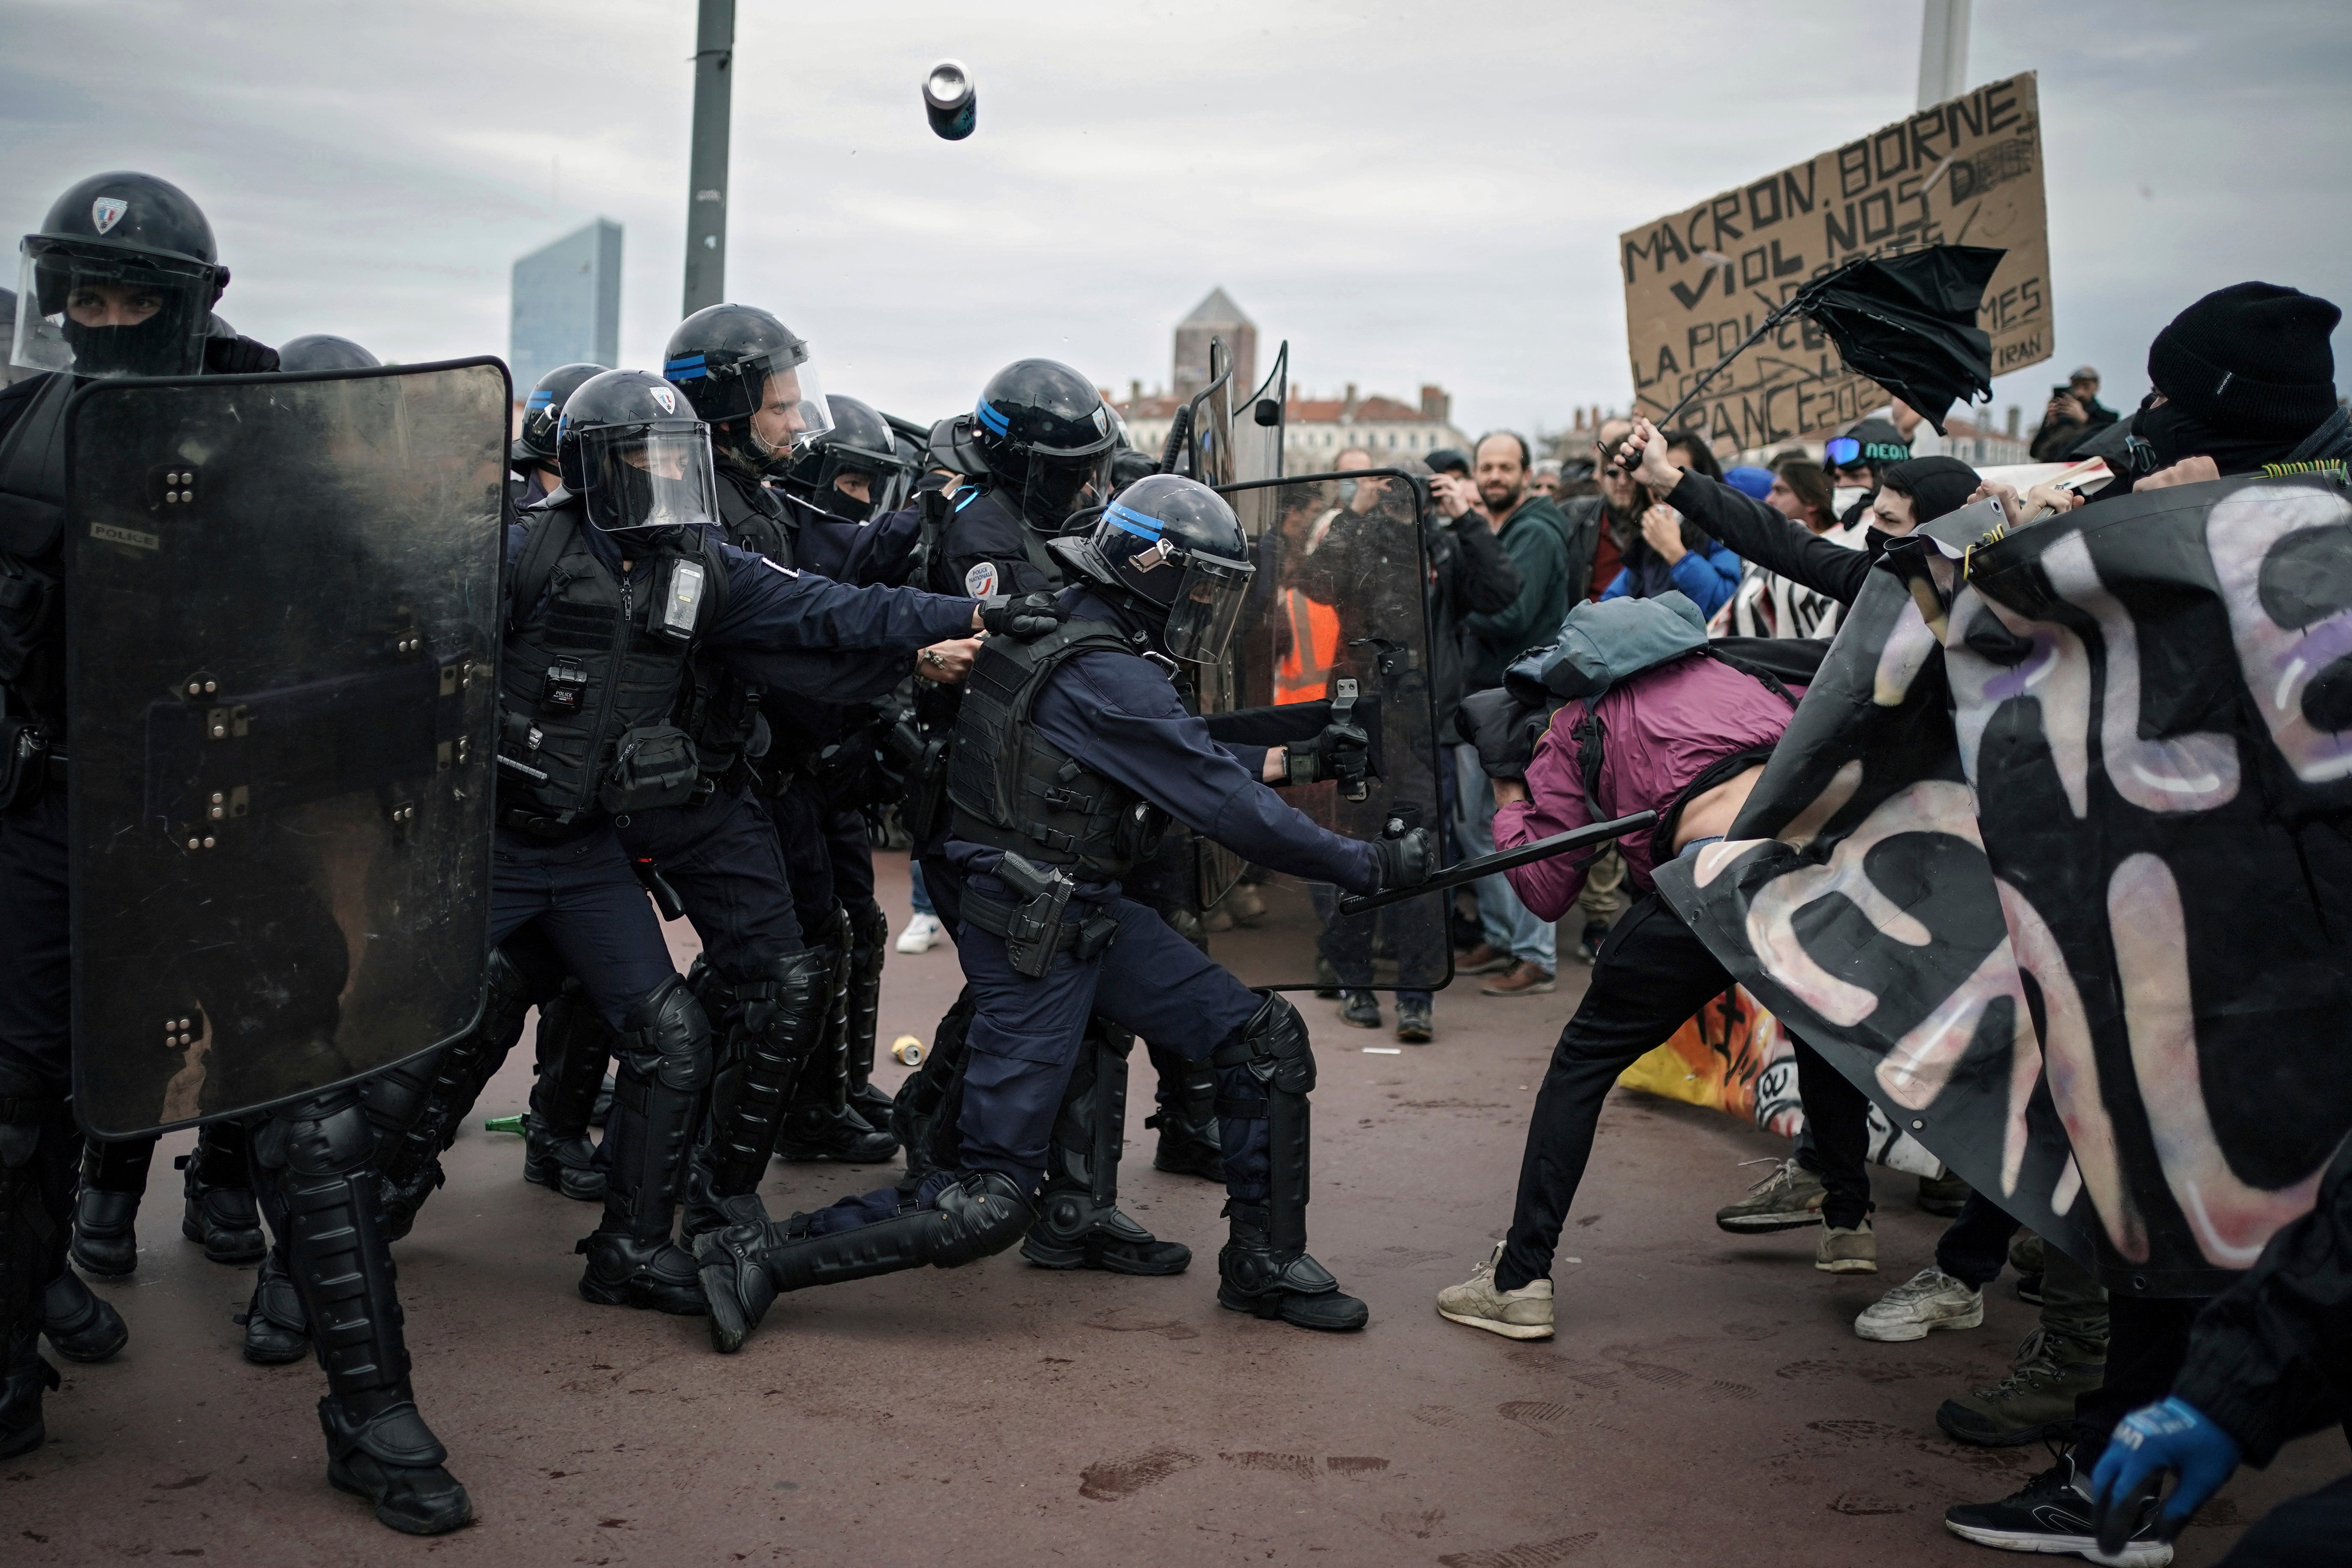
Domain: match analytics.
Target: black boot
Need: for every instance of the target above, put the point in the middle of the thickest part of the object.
(1254, 1278)
(106, 1214)
(768, 1021)
(1189, 1144)
(378, 1447)
(23, 1376)
(574, 1045)
(1079, 1224)
(923, 1116)
(417, 1106)
(317, 1154)
(665, 1065)
(869, 944)
(80, 1326)
(220, 1213)
(277, 1330)
(821, 1124)
(745, 1267)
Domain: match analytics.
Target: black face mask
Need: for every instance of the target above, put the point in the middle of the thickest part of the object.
(839, 502)
(156, 346)
(2171, 434)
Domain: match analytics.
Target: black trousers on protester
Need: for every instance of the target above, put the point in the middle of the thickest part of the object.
(1652, 974)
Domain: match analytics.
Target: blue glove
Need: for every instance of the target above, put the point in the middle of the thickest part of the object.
(2173, 1435)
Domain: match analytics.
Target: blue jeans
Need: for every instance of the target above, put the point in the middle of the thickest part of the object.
(1507, 924)
(919, 894)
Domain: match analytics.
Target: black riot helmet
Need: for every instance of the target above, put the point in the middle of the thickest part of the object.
(1045, 435)
(629, 446)
(1173, 548)
(324, 351)
(734, 360)
(119, 280)
(860, 442)
(535, 447)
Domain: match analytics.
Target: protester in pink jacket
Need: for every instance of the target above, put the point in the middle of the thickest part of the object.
(1686, 738)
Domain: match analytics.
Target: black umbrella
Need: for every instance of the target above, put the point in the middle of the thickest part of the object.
(1909, 322)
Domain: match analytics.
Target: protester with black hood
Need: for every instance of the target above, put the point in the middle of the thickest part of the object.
(2242, 379)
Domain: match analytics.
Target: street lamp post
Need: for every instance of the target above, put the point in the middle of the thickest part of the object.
(706, 204)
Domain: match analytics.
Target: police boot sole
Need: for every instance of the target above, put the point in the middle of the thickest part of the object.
(105, 1254)
(1948, 1417)
(587, 1188)
(647, 1296)
(229, 1247)
(1301, 1311)
(276, 1352)
(1160, 1258)
(423, 1516)
(78, 1348)
(729, 1325)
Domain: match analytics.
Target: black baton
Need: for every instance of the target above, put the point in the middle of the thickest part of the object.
(1501, 860)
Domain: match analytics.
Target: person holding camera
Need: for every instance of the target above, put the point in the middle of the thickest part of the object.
(2074, 412)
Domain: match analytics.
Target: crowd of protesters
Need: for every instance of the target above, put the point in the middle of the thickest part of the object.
(1679, 548)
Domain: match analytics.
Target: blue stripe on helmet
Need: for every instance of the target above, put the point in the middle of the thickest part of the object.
(686, 367)
(540, 400)
(1134, 521)
(996, 423)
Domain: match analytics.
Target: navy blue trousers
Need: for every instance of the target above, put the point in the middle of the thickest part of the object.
(35, 978)
(721, 855)
(580, 898)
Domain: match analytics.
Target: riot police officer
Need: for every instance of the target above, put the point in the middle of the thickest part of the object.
(1071, 754)
(614, 584)
(533, 453)
(121, 280)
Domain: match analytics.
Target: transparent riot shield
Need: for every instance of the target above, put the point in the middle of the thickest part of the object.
(1337, 616)
(283, 604)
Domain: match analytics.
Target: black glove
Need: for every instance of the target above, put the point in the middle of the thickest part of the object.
(1405, 862)
(237, 356)
(1341, 752)
(1024, 619)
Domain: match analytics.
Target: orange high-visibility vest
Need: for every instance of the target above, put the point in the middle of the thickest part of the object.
(1305, 673)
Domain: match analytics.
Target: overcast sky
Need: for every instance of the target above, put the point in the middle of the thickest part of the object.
(1406, 192)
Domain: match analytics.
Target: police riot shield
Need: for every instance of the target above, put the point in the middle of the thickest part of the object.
(1337, 626)
(283, 602)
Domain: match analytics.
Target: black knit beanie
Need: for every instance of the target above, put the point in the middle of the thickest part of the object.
(2253, 357)
(1936, 485)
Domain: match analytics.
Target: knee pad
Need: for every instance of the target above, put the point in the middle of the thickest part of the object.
(779, 1004)
(666, 1036)
(1273, 1046)
(325, 1135)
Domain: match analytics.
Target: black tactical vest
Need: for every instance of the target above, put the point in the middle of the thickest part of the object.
(717, 708)
(1014, 789)
(592, 674)
(32, 520)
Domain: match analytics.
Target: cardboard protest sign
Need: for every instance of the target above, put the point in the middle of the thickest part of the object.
(1968, 171)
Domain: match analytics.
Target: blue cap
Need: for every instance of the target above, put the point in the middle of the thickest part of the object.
(1752, 482)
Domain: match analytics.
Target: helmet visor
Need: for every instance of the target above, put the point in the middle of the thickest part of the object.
(1207, 608)
(790, 406)
(643, 481)
(1054, 488)
(94, 310)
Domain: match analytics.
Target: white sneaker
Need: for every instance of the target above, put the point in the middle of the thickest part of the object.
(1524, 1313)
(1930, 1299)
(921, 935)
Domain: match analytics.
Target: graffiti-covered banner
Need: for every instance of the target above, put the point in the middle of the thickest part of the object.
(2054, 861)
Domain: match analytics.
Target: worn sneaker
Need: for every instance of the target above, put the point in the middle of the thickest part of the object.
(1788, 1198)
(1415, 1027)
(1482, 959)
(1946, 1194)
(2036, 1400)
(1844, 1251)
(1930, 1299)
(1524, 1313)
(921, 935)
(1523, 980)
(1588, 946)
(1361, 1010)
(2054, 1513)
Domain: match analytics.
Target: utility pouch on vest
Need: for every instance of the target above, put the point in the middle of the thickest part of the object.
(926, 803)
(1036, 923)
(24, 761)
(654, 765)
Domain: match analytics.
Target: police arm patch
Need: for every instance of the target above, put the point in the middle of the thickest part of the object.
(981, 580)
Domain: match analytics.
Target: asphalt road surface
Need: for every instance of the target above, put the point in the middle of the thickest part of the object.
(1704, 1403)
